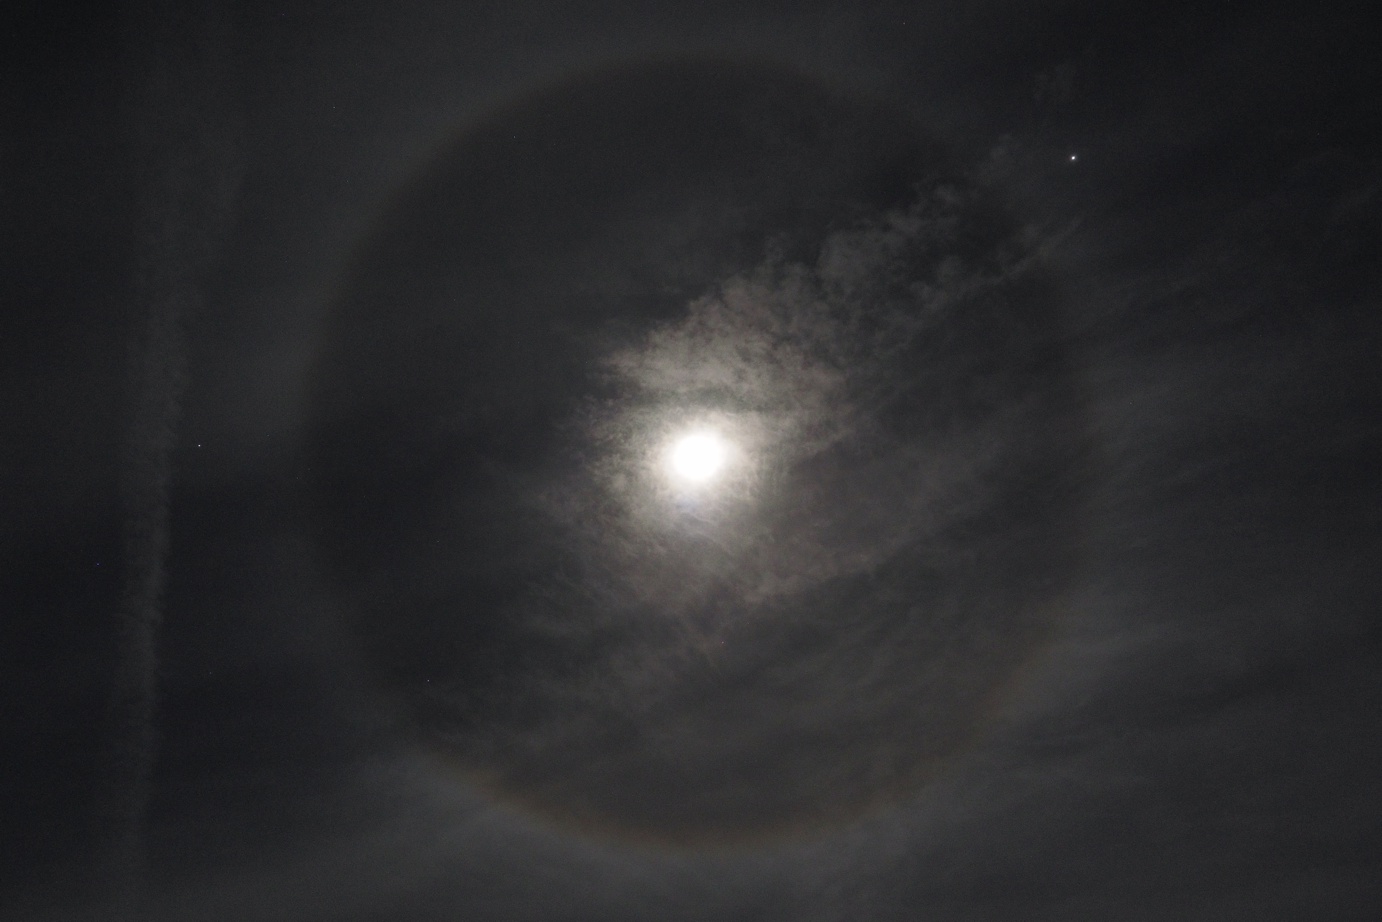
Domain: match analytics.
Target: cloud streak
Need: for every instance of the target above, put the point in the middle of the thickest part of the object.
(187, 167)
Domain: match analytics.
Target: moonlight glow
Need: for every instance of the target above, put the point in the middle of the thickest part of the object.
(698, 456)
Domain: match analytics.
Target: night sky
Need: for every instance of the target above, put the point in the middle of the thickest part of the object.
(357, 361)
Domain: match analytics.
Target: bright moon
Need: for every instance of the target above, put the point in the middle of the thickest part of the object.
(699, 456)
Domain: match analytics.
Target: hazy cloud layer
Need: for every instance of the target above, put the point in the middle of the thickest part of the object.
(1075, 619)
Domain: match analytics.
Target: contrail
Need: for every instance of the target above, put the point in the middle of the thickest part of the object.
(159, 380)
(185, 169)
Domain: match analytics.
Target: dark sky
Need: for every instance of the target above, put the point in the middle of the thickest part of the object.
(343, 347)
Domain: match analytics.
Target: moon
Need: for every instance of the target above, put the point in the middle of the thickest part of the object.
(697, 457)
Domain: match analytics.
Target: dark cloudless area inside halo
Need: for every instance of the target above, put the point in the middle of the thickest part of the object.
(1089, 633)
